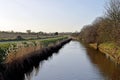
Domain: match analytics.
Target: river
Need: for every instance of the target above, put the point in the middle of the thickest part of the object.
(76, 62)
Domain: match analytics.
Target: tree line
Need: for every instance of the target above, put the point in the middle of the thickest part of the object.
(105, 28)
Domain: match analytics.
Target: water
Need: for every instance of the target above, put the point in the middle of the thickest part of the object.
(75, 62)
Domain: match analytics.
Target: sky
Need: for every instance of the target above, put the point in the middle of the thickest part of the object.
(48, 15)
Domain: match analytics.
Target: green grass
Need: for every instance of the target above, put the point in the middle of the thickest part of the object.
(3, 50)
(46, 42)
(110, 47)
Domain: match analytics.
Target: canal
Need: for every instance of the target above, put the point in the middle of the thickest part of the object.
(75, 62)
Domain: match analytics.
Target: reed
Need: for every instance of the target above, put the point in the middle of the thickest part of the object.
(13, 51)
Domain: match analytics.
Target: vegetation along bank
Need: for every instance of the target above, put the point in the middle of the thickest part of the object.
(104, 33)
(11, 51)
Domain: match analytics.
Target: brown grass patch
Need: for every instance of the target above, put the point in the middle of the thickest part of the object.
(21, 53)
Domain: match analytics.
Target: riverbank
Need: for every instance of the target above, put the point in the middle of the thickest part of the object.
(110, 49)
(11, 51)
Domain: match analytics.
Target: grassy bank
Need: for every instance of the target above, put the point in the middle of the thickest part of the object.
(110, 49)
(10, 51)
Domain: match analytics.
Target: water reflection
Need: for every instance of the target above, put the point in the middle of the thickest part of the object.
(108, 69)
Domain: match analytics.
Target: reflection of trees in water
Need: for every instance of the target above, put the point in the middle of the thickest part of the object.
(109, 70)
(16, 70)
(35, 70)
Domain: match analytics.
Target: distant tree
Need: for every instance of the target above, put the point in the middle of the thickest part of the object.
(40, 33)
(12, 31)
(90, 33)
(75, 34)
(28, 31)
(56, 33)
(19, 37)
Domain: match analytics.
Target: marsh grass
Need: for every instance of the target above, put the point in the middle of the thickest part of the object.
(21, 52)
(12, 51)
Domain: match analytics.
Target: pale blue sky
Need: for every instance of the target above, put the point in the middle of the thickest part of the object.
(48, 15)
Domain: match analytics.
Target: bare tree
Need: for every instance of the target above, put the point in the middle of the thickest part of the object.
(113, 15)
(28, 31)
(106, 28)
(113, 11)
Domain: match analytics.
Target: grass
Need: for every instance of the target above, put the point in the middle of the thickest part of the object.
(110, 48)
(46, 42)
(107, 47)
(93, 45)
(3, 50)
(13, 50)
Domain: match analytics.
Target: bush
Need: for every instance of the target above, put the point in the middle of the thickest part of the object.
(19, 38)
